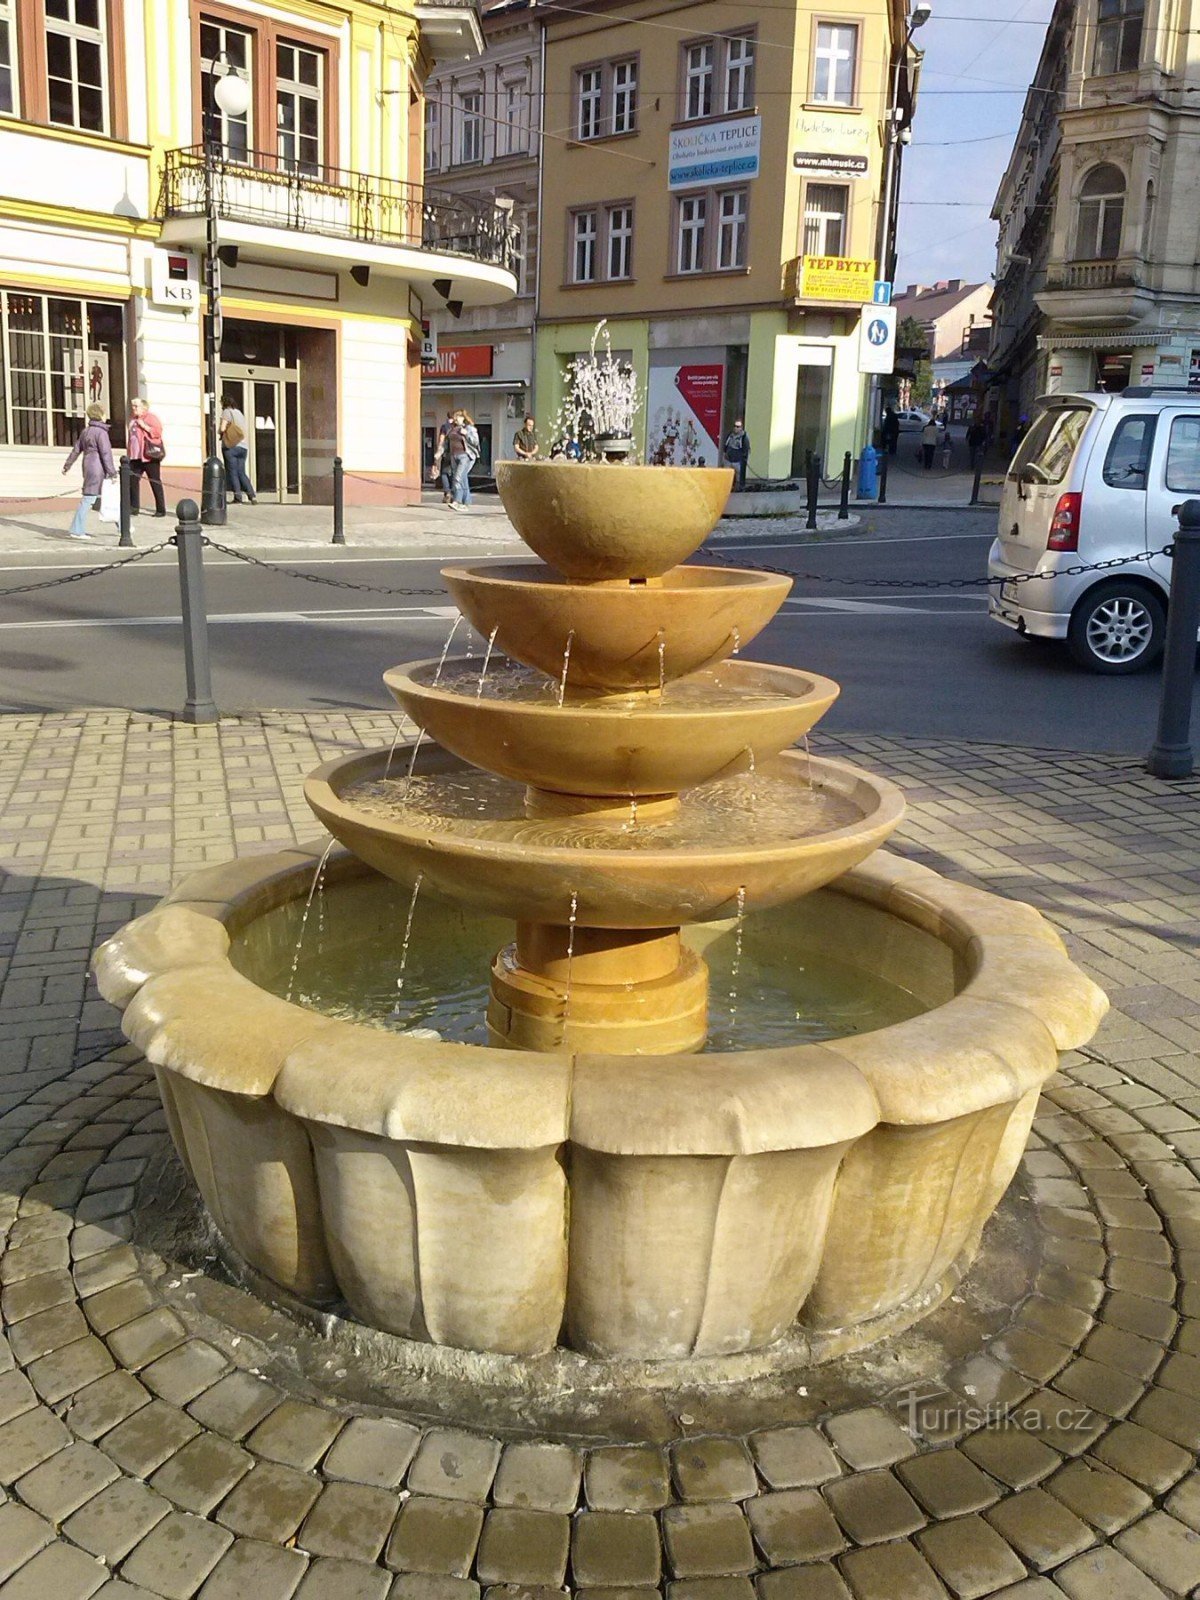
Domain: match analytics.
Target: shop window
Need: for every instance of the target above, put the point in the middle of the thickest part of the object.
(620, 241)
(826, 213)
(835, 60)
(1119, 26)
(583, 248)
(1101, 214)
(76, 75)
(59, 355)
(1183, 456)
(470, 128)
(299, 107)
(8, 57)
(234, 135)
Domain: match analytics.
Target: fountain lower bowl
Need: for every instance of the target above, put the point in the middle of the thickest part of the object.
(649, 1208)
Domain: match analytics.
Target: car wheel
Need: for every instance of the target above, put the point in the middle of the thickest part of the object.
(1117, 627)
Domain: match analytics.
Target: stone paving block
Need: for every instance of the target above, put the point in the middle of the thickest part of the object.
(16, 1396)
(64, 1482)
(333, 1579)
(374, 1450)
(45, 1331)
(873, 1507)
(113, 1522)
(455, 1465)
(22, 1535)
(199, 1476)
(611, 1548)
(1184, 1501)
(67, 1370)
(103, 1404)
(1030, 1353)
(177, 1555)
(1142, 1277)
(252, 1571)
(869, 1438)
(699, 1589)
(184, 1373)
(103, 1270)
(1100, 1496)
(707, 1540)
(1114, 1347)
(114, 1307)
(1174, 1416)
(48, 1255)
(793, 1526)
(626, 1478)
(1167, 1550)
(60, 1571)
(31, 1295)
(424, 1586)
(1012, 1455)
(794, 1458)
(235, 1404)
(146, 1439)
(295, 1434)
(1105, 1574)
(270, 1502)
(135, 1344)
(1052, 1320)
(801, 1583)
(1101, 1388)
(713, 1468)
(523, 1547)
(1040, 1528)
(28, 1440)
(970, 1557)
(538, 1477)
(947, 1484)
(1144, 1456)
(890, 1571)
(1150, 1319)
(91, 1238)
(436, 1536)
(1061, 1423)
(350, 1520)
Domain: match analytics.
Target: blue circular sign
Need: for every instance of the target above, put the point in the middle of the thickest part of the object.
(878, 331)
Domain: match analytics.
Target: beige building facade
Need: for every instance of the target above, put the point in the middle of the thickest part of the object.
(712, 183)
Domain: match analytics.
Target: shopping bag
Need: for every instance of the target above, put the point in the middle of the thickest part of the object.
(110, 500)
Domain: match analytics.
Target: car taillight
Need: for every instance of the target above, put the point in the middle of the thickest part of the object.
(1064, 525)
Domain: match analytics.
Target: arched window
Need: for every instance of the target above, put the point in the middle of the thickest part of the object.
(1101, 213)
(1118, 35)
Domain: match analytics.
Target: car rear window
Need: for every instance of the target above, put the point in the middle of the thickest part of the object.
(1048, 448)
(1128, 458)
(1183, 455)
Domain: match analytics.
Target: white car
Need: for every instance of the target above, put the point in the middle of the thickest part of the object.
(912, 421)
(1097, 477)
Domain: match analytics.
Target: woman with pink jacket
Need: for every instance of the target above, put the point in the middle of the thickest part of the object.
(146, 454)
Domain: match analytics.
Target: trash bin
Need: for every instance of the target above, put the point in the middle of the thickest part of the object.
(868, 474)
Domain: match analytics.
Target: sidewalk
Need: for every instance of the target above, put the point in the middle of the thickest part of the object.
(149, 1446)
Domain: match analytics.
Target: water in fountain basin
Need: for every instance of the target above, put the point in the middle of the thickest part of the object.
(708, 690)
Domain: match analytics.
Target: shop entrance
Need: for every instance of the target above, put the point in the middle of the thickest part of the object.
(271, 407)
(812, 416)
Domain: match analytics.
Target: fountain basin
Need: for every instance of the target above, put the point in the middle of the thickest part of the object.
(700, 614)
(654, 1207)
(598, 523)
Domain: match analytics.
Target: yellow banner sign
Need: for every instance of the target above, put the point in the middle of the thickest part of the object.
(837, 278)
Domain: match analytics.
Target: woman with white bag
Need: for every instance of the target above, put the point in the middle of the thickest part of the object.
(95, 449)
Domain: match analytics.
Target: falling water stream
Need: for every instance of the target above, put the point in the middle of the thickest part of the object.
(662, 663)
(408, 927)
(317, 880)
(737, 643)
(562, 682)
(487, 657)
(571, 920)
(736, 967)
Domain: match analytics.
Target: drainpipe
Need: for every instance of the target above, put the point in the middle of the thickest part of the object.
(537, 277)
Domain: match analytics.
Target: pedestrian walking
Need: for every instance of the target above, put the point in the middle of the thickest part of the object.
(526, 446)
(232, 428)
(929, 444)
(146, 455)
(737, 451)
(441, 470)
(889, 431)
(976, 442)
(947, 446)
(462, 442)
(94, 448)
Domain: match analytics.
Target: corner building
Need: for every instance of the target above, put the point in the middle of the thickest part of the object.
(332, 248)
(712, 184)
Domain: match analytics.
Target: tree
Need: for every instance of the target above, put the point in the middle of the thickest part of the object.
(912, 342)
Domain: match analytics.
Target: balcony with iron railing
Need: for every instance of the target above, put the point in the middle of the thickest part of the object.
(293, 213)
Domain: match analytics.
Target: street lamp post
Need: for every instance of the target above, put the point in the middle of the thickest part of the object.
(229, 93)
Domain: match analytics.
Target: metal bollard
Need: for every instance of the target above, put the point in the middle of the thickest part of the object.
(814, 489)
(1171, 753)
(978, 480)
(881, 499)
(844, 503)
(125, 542)
(339, 502)
(212, 494)
(189, 542)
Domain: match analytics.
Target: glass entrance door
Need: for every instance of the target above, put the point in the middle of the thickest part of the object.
(265, 432)
(271, 407)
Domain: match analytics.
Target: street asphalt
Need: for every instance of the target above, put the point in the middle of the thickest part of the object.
(911, 662)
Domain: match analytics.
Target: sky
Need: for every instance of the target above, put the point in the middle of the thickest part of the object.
(980, 56)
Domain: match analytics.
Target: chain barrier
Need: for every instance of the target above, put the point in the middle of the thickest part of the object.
(947, 583)
(316, 577)
(88, 572)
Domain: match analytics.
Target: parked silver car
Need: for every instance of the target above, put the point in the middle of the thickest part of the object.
(1096, 477)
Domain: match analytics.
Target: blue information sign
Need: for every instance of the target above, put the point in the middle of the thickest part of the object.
(883, 294)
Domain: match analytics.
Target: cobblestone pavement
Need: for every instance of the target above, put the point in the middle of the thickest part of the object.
(139, 1458)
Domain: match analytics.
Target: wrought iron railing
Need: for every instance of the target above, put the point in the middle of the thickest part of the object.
(262, 187)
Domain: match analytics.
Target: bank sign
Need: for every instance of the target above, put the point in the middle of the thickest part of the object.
(715, 152)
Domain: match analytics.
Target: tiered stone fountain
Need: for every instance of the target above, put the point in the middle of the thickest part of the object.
(593, 1176)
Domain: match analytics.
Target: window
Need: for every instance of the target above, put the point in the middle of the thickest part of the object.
(620, 241)
(8, 57)
(470, 128)
(1128, 458)
(698, 80)
(57, 356)
(1101, 214)
(1118, 35)
(1048, 449)
(624, 97)
(583, 258)
(299, 106)
(1183, 456)
(516, 117)
(75, 64)
(826, 210)
(433, 135)
(693, 210)
(739, 74)
(834, 62)
(235, 135)
(731, 229)
(591, 98)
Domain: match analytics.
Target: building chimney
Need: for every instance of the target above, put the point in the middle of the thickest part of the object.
(955, 283)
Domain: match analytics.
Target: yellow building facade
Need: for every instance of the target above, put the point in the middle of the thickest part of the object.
(712, 183)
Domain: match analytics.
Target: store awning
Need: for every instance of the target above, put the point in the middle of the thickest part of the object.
(1130, 339)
